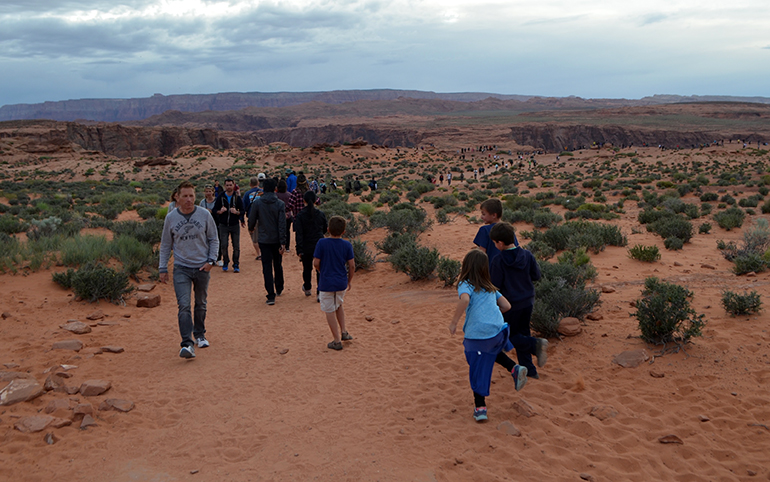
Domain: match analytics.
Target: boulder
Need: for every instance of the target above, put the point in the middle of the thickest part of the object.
(20, 390)
(631, 358)
(92, 388)
(6, 315)
(116, 404)
(77, 327)
(32, 424)
(570, 326)
(147, 301)
(74, 345)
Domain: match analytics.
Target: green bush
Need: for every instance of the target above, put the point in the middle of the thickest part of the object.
(545, 219)
(648, 254)
(665, 314)
(745, 304)
(541, 250)
(704, 228)
(10, 224)
(366, 209)
(577, 234)
(401, 218)
(133, 254)
(672, 226)
(94, 281)
(709, 196)
(395, 241)
(417, 261)
(748, 262)
(148, 232)
(364, 258)
(730, 218)
(673, 243)
(80, 250)
(448, 270)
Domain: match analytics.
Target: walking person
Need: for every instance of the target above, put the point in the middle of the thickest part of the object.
(269, 213)
(229, 209)
(190, 231)
(309, 227)
(285, 196)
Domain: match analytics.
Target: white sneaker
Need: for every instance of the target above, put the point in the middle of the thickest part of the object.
(202, 342)
(187, 352)
(220, 263)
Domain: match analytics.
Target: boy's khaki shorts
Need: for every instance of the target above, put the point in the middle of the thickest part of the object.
(331, 300)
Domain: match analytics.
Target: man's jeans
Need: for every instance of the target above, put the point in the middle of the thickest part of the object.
(186, 279)
(226, 232)
(271, 258)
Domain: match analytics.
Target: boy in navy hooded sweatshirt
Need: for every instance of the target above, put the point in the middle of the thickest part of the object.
(514, 272)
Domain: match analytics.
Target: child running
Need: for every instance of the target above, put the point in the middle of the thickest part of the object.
(333, 258)
(486, 334)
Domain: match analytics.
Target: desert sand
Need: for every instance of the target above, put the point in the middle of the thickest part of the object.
(268, 401)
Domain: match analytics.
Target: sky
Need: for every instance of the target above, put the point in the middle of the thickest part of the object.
(54, 50)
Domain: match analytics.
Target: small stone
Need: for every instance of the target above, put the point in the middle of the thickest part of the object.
(677, 263)
(72, 390)
(112, 349)
(96, 315)
(50, 438)
(127, 315)
(458, 461)
(707, 266)
(603, 412)
(508, 428)
(284, 351)
(194, 471)
(655, 374)
(751, 274)
(55, 382)
(88, 421)
(117, 405)
(57, 404)
(594, 316)
(11, 365)
(92, 351)
(735, 394)
(108, 323)
(35, 423)
(670, 439)
(146, 287)
(570, 326)
(67, 368)
(92, 388)
(524, 408)
(20, 390)
(750, 473)
(369, 318)
(83, 409)
(147, 301)
(6, 315)
(608, 289)
(77, 327)
(60, 422)
(631, 358)
(588, 477)
(395, 322)
(74, 345)
(703, 418)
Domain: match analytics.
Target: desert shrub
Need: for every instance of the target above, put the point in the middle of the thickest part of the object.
(363, 256)
(442, 216)
(80, 250)
(401, 218)
(148, 232)
(750, 202)
(672, 226)
(366, 209)
(730, 218)
(766, 207)
(756, 239)
(94, 281)
(673, 243)
(147, 211)
(541, 250)
(520, 215)
(561, 292)
(133, 254)
(576, 234)
(448, 270)
(44, 227)
(745, 304)
(417, 261)
(161, 213)
(10, 224)
(665, 314)
(648, 254)
(748, 262)
(389, 197)
(395, 241)
(545, 219)
(441, 201)
(704, 228)
(709, 196)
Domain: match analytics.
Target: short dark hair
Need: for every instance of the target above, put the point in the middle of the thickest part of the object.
(253, 182)
(493, 206)
(337, 225)
(269, 185)
(504, 233)
(185, 185)
(230, 179)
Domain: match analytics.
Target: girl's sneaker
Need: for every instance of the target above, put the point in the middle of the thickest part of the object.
(519, 376)
(480, 414)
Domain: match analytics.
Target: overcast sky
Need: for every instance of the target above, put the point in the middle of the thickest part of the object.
(70, 49)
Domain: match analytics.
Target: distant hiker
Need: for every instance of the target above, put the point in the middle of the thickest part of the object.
(269, 214)
(285, 196)
(249, 197)
(229, 209)
(309, 227)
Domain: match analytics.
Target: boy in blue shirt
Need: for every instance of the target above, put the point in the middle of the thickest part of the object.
(491, 212)
(334, 260)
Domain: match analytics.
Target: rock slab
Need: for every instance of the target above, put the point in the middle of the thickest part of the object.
(631, 358)
(76, 327)
(74, 345)
(93, 388)
(20, 390)
(35, 423)
(147, 301)
(508, 428)
(603, 412)
(117, 404)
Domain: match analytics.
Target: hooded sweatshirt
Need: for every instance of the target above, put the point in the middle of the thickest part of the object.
(270, 213)
(514, 272)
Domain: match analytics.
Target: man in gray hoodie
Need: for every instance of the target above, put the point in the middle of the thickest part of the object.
(190, 231)
(269, 214)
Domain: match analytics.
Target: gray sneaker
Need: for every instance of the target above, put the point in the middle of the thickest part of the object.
(202, 342)
(187, 352)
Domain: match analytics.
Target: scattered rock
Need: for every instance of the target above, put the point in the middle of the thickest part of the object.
(146, 287)
(194, 471)
(8, 376)
(369, 318)
(127, 315)
(395, 322)
(20, 390)
(116, 404)
(74, 345)
(670, 439)
(57, 404)
(83, 409)
(458, 461)
(11, 365)
(6, 315)
(707, 266)
(751, 274)
(147, 301)
(88, 421)
(50, 438)
(92, 351)
(32, 424)
(77, 327)
(92, 388)
(524, 408)
(655, 374)
(603, 412)
(588, 477)
(96, 315)
(677, 263)
(72, 390)
(750, 473)
(594, 316)
(570, 326)
(283, 351)
(68, 367)
(608, 289)
(55, 382)
(508, 428)
(112, 349)
(60, 422)
(108, 323)
(703, 418)
(631, 358)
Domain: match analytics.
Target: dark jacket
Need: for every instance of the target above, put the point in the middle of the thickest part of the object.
(270, 212)
(228, 218)
(310, 226)
(514, 272)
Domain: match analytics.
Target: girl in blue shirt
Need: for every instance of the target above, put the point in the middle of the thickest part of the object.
(486, 334)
